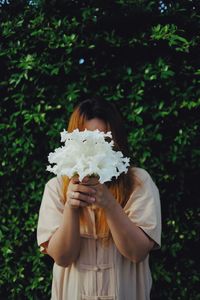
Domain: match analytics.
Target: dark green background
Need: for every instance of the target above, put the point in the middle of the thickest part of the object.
(142, 55)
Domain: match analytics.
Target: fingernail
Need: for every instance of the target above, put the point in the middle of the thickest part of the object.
(85, 179)
(92, 199)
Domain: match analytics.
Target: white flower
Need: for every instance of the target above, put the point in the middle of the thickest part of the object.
(87, 153)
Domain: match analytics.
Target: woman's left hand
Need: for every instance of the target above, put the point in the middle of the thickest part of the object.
(104, 198)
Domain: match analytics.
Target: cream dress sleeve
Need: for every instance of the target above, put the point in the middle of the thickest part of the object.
(50, 213)
(143, 206)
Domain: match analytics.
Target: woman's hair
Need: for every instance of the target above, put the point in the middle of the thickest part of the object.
(122, 187)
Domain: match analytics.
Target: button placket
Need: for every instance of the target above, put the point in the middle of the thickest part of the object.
(101, 264)
(85, 297)
(96, 254)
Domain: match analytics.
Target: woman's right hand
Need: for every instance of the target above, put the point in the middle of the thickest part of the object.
(79, 195)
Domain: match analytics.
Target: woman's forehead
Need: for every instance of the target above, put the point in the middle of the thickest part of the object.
(96, 123)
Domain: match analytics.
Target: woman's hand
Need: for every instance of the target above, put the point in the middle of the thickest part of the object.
(79, 195)
(103, 197)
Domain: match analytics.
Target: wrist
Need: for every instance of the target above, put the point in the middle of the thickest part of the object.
(71, 208)
(111, 206)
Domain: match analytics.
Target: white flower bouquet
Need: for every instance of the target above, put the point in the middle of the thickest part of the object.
(87, 153)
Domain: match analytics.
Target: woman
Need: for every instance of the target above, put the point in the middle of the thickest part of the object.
(100, 235)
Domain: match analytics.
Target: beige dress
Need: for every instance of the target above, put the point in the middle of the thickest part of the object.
(102, 273)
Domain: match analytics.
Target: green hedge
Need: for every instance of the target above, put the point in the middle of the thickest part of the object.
(144, 56)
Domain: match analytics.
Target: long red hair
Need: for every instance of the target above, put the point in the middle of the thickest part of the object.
(122, 187)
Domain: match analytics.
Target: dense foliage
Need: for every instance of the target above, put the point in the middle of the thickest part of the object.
(144, 56)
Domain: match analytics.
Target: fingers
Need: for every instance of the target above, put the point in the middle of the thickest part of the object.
(83, 189)
(85, 179)
(77, 199)
(90, 180)
(82, 197)
(75, 179)
(76, 203)
(78, 194)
